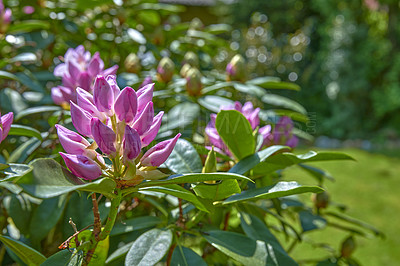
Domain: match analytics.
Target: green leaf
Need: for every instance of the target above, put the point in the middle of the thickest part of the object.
(283, 160)
(273, 83)
(28, 26)
(50, 179)
(193, 178)
(7, 75)
(184, 158)
(46, 216)
(253, 160)
(14, 170)
(3, 166)
(214, 103)
(215, 87)
(310, 221)
(19, 130)
(118, 254)
(257, 230)
(319, 174)
(250, 89)
(19, 209)
(236, 132)
(24, 252)
(100, 253)
(281, 189)
(183, 256)
(60, 258)
(284, 102)
(177, 191)
(37, 110)
(24, 150)
(180, 116)
(12, 100)
(149, 248)
(240, 247)
(135, 224)
(218, 191)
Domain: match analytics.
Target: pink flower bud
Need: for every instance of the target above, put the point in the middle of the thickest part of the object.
(151, 133)
(125, 105)
(82, 166)
(85, 101)
(132, 145)
(28, 9)
(165, 70)
(266, 134)
(81, 120)
(95, 65)
(74, 143)
(254, 119)
(104, 137)
(85, 81)
(5, 125)
(148, 80)
(145, 119)
(57, 96)
(112, 80)
(159, 153)
(144, 96)
(103, 95)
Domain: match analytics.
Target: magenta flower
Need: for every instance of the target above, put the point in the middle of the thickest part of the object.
(121, 123)
(82, 166)
(160, 152)
(78, 70)
(283, 132)
(147, 80)
(28, 9)
(5, 125)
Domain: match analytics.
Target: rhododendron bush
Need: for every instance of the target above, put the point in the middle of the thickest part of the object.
(125, 143)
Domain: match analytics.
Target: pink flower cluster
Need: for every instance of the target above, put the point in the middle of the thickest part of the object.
(78, 70)
(5, 125)
(282, 133)
(121, 123)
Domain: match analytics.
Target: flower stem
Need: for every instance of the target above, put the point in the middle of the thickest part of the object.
(111, 216)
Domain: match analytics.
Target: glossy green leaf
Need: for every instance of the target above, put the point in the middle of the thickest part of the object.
(215, 87)
(273, 83)
(240, 247)
(15, 170)
(193, 178)
(149, 248)
(20, 154)
(11, 100)
(295, 116)
(50, 179)
(184, 158)
(183, 256)
(257, 230)
(60, 258)
(24, 57)
(46, 216)
(177, 191)
(36, 110)
(3, 166)
(28, 26)
(7, 75)
(250, 89)
(253, 160)
(27, 254)
(218, 191)
(135, 224)
(101, 251)
(181, 115)
(310, 221)
(19, 208)
(281, 101)
(319, 174)
(236, 132)
(214, 103)
(20, 130)
(118, 254)
(281, 189)
(283, 160)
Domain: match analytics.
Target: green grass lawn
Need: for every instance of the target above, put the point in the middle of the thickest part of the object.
(370, 188)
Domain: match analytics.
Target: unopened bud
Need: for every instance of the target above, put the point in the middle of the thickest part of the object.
(184, 70)
(236, 69)
(193, 82)
(191, 59)
(348, 247)
(132, 63)
(165, 70)
(321, 200)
